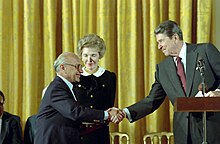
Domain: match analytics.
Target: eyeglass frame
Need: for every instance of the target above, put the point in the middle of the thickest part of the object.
(77, 66)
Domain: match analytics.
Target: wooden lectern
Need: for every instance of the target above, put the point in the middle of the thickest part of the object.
(198, 104)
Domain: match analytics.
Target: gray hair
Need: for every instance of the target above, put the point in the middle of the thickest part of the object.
(169, 28)
(91, 41)
(61, 59)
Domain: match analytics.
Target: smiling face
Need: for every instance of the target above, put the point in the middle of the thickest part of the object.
(69, 66)
(90, 58)
(169, 46)
(169, 37)
(72, 69)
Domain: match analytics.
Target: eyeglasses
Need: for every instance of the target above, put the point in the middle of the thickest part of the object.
(78, 66)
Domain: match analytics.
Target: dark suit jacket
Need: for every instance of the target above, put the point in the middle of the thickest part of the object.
(98, 93)
(168, 84)
(59, 116)
(11, 132)
(30, 130)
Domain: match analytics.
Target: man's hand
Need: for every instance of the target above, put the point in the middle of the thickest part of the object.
(116, 115)
(213, 94)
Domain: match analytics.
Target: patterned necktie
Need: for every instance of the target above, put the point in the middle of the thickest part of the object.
(181, 73)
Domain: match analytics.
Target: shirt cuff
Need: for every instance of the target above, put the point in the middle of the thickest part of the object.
(106, 115)
(127, 114)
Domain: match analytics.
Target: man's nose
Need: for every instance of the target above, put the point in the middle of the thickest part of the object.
(159, 46)
(89, 59)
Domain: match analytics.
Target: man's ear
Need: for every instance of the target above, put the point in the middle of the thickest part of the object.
(62, 67)
(175, 36)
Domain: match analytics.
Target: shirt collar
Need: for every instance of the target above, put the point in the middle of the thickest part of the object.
(66, 81)
(182, 55)
(98, 73)
(183, 51)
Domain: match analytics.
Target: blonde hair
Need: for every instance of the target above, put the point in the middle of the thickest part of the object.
(91, 41)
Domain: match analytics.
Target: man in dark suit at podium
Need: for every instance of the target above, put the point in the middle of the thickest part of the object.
(176, 76)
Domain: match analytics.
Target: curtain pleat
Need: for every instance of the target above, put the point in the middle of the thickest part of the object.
(49, 39)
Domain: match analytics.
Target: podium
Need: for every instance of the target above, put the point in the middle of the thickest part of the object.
(198, 104)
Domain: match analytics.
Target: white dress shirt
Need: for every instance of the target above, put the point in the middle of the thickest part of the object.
(69, 84)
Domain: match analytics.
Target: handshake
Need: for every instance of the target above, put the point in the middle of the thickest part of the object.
(115, 115)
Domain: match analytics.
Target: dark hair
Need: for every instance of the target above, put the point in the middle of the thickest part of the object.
(1, 93)
(169, 28)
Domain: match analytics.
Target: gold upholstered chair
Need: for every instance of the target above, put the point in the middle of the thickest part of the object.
(119, 138)
(159, 138)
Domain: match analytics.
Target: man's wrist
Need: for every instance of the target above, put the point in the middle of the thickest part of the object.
(107, 116)
(128, 115)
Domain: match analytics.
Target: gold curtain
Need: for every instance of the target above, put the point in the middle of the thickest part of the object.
(34, 32)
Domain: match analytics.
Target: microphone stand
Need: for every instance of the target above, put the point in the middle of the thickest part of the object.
(201, 68)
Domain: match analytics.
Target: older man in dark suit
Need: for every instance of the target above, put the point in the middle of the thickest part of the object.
(176, 76)
(10, 127)
(60, 115)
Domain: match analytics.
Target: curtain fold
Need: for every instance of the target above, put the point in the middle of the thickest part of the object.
(16, 54)
(34, 32)
(67, 32)
(186, 19)
(32, 58)
(49, 39)
(6, 50)
(205, 22)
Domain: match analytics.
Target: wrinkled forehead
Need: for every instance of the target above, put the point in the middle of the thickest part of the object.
(90, 49)
(74, 60)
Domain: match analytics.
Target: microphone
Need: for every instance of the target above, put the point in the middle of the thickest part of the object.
(201, 66)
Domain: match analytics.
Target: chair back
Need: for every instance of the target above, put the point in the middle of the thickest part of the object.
(120, 137)
(159, 137)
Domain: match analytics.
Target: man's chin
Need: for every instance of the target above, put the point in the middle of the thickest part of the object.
(166, 54)
(77, 80)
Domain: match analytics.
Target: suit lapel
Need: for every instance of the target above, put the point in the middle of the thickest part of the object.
(191, 61)
(67, 88)
(172, 73)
